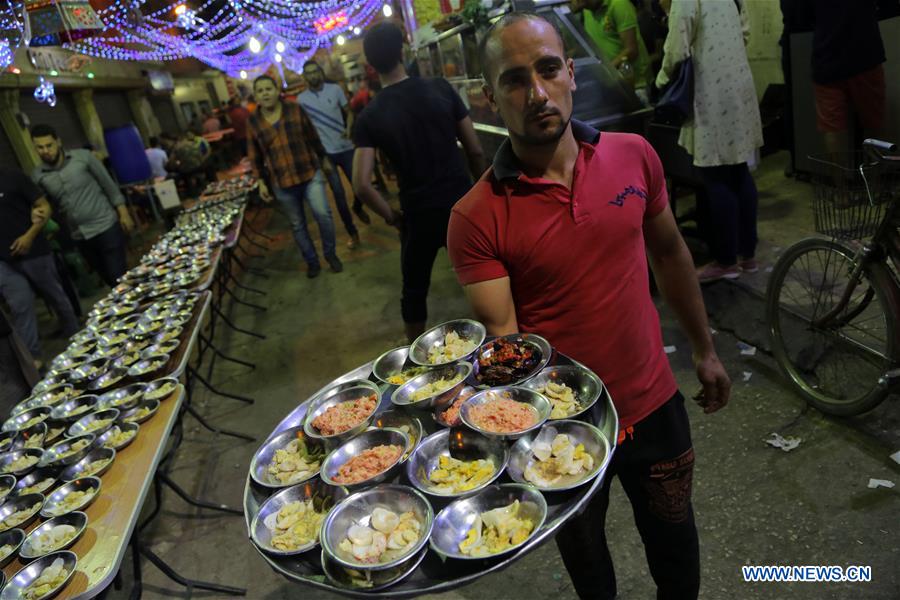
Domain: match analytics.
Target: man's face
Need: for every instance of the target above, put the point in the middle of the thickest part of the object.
(48, 148)
(531, 82)
(314, 77)
(266, 93)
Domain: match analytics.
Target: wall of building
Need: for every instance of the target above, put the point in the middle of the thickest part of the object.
(763, 50)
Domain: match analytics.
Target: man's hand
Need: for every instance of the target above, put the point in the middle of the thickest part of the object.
(395, 220)
(264, 192)
(40, 215)
(125, 219)
(715, 381)
(21, 245)
(327, 168)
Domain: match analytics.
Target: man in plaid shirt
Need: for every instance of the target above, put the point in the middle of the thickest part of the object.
(285, 149)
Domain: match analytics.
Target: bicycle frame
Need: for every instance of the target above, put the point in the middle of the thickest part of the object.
(884, 244)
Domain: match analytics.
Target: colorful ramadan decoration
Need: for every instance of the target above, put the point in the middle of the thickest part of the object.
(45, 92)
(58, 22)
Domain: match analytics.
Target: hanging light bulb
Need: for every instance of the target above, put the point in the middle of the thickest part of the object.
(6, 54)
(357, 31)
(45, 92)
(340, 40)
(255, 45)
(387, 11)
(243, 74)
(278, 58)
(279, 46)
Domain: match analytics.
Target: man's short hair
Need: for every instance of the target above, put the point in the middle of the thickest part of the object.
(154, 141)
(43, 130)
(264, 78)
(312, 63)
(383, 46)
(501, 24)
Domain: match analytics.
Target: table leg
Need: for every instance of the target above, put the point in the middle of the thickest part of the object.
(190, 584)
(162, 477)
(137, 588)
(244, 287)
(207, 385)
(256, 231)
(228, 322)
(193, 412)
(244, 302)
(248, 269)
(157, 498)
(221, 354)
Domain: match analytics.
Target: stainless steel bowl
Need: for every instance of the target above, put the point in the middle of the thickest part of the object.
(541, 349)
(21, 420)
(53, 505)
(85, 423)
(15, 587)
(55, 431)
(264, 455)
(39, 475)
(405, 422)
(127, 322)
(467, 329)
(452, 524)
(369, 581)
(74, 471)
(148, 365)
(357, 510)
(123, 398)
(167, 334)
(133, 415)
(6, 440)
(167, 347)
(53, 456)
(13, 505)
(82, 347)
(74, 409)
(114, 337)
(76, 519)
(579, 432)
(390, 363)
(14, 538)
(518, 394)
(65, 361)
(89, 371)
(151, 391)
(403, 395)
(368, 439)
(352, 390)
(586, 386)
(127, 357)
(316, 489)
(33, 437)
(426, 459)
(106, 437)
(7, 485)
(113, 376)
(149, 327)
(8, 458)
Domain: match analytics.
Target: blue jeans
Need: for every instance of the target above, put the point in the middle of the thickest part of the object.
(17, 278)
(343, 161)
(291, 199)
(732, 206)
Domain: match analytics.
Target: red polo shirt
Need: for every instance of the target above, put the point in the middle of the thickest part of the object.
(576, 259)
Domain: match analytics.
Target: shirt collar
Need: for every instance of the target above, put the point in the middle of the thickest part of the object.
(506, 164)
(45, 168)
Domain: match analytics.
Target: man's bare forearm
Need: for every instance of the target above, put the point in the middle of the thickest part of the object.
(370, 196)
(677, 281)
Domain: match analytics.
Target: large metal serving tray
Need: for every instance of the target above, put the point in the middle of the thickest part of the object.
(434, 575)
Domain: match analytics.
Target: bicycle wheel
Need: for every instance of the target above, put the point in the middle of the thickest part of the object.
(838, 368)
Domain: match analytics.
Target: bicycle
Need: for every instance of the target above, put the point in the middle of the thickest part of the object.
(832, 305)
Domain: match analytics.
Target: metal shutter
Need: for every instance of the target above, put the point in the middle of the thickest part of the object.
(63, 117)
(165, 113)
(7, 154)
(113, 108)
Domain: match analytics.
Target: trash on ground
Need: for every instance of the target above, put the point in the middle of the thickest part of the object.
(747, 349)
(877, 483)
(669, 349)
(896, 457)
(785, 443)
(747, 375)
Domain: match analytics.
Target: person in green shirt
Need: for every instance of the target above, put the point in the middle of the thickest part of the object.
(613, 26)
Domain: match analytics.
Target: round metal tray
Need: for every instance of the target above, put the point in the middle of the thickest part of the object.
(433, 575)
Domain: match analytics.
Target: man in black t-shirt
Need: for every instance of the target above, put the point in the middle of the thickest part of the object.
(25, 259)
(416, 124)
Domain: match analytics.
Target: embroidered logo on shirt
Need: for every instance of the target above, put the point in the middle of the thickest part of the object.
(629, 191)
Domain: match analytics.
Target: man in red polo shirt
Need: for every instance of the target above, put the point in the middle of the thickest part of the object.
(552, 240)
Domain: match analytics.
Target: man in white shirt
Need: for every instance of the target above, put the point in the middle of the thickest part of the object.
(326, 104)
(158, 159)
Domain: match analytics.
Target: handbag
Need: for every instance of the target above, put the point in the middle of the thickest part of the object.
(676, 105)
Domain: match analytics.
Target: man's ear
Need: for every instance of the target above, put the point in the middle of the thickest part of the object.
(489, 94)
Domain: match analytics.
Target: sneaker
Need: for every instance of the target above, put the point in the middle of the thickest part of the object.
(313, 271)
(749, 265)
(361, 214)
(715, 272)
(353, 242)
(335, 263)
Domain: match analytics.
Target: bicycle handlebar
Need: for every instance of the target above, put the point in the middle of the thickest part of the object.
(880, 145)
